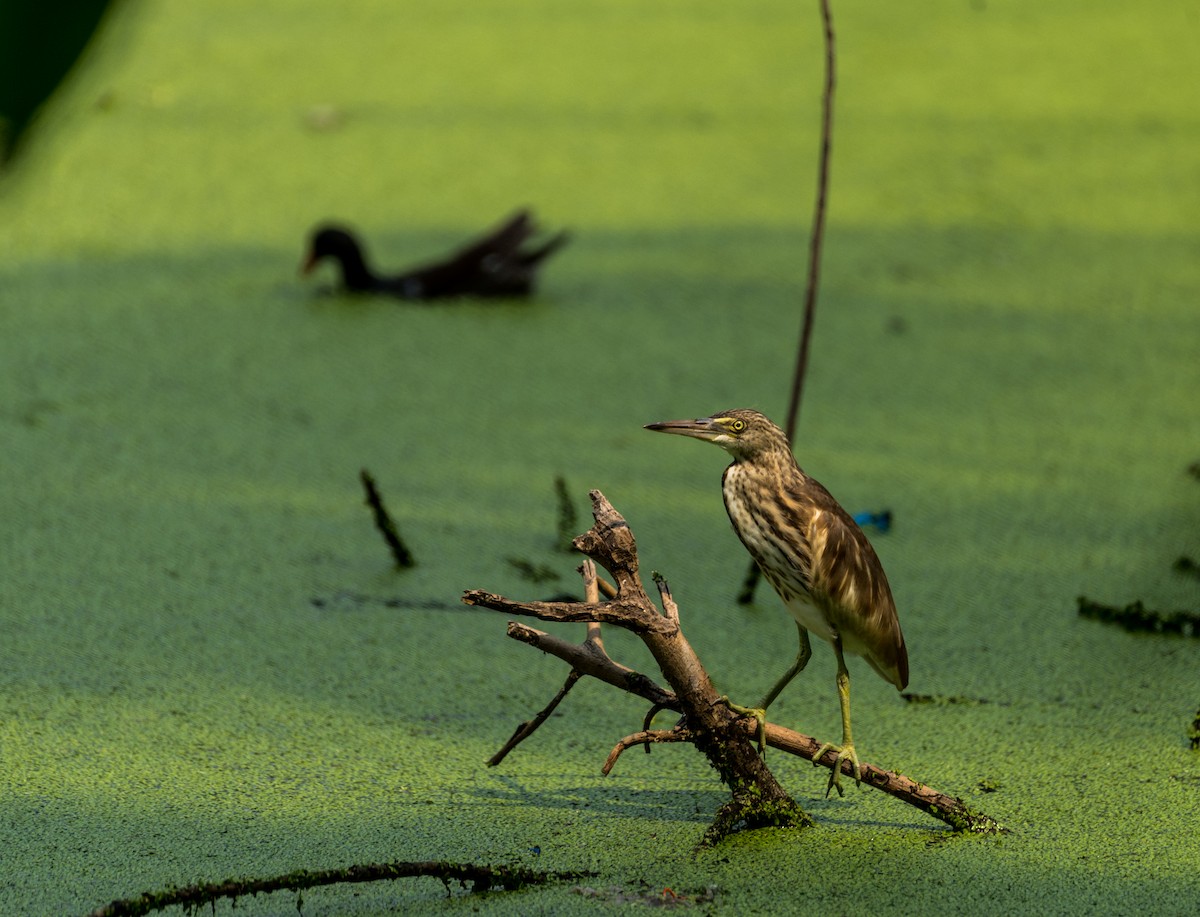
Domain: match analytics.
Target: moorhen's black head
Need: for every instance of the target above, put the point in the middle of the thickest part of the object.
(340, 244)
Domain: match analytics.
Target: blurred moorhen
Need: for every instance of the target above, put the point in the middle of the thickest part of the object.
(495, 265)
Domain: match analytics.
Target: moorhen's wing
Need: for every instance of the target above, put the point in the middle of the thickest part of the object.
(516, 274)
(531, 257)
(473, 269)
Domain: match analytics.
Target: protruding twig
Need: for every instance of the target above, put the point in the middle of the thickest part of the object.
(593, 644)
(385, 523)
(654, 711)
(568, 521)
(817, 237)
(609, 590)
(591, 583)
(526, 729)
(670, 609)
(623, 614)
(646, 737)
(815, 241)
(597, 664)
(950, 809)
(591, 595)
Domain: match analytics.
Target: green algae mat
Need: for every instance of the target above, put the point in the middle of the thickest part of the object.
(209, 667)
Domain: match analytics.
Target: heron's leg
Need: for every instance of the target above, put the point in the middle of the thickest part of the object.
(759, 712)
(845, 752)
(802, 657)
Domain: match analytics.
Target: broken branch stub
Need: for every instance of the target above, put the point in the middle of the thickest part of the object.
(611, 544)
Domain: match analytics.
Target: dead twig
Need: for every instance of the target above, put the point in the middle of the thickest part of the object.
(584, 658)
(949, 809)
(816, 242)
(646, 737)
(817, 237)
(526, 729)
(593, 645)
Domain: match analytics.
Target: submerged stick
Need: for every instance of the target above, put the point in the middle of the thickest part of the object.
(568, 523)
(191, 897)
(1137, 617)
(385, 523)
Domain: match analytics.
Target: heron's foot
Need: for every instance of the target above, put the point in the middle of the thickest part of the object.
(845, 752)
(759, 714)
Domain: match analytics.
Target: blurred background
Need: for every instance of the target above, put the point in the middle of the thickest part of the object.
(38, 48)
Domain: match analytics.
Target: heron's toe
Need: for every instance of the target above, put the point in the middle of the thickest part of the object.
(845, 752)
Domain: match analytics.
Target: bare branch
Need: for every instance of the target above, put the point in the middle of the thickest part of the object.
(526, 729)
(758, 798)
(949, 809)
(607, 588)
(585, 658)
(629, 615)
(646, 737)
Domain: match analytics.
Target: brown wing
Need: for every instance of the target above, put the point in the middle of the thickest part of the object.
(847, 579)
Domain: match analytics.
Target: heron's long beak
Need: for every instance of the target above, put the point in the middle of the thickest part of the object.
(701, 428)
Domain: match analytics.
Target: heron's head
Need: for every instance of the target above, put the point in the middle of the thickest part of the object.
(743, 433)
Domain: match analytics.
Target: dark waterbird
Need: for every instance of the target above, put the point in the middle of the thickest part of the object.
(499, 264)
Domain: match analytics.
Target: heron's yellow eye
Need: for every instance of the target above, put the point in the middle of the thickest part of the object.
(737, 426)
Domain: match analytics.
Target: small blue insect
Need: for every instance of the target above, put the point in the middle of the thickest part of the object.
(881, 520)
